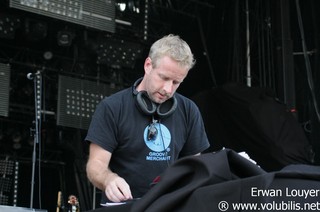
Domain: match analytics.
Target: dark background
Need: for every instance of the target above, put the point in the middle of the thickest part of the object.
(220, 32)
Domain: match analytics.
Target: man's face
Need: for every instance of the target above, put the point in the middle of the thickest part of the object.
(163, 79)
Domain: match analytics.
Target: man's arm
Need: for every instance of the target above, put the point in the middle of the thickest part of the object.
(99, 174)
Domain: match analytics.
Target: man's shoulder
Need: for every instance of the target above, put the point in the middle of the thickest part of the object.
(184, 100)
(119, 95)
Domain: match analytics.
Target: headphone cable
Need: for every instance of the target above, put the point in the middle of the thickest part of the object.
(163, 144)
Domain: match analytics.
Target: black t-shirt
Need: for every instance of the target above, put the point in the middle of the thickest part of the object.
(121, 128)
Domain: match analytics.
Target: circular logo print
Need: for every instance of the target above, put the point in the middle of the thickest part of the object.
(157, 137)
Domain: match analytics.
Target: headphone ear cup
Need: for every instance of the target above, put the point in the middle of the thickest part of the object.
(145, 104)
(167, 108)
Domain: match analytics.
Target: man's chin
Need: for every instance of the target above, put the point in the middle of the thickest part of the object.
(159, 101)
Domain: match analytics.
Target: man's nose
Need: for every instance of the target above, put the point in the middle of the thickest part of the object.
(168, 87)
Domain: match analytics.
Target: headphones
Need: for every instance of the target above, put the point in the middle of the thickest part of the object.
(148, 107)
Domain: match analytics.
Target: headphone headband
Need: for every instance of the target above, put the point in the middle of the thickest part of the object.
(135, 85)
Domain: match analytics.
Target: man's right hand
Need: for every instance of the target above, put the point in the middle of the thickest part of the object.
(117, 189)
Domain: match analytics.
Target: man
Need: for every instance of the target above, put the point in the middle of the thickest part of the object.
(137, 133)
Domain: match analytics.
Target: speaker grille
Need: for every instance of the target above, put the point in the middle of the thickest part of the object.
(77, 100)
(4, 89)
(98, 14)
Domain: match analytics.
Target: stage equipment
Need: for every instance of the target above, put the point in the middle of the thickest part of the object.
(4, 89)
(77, 100)
(8, 26)
(9, 171)
(146, 18)
(118, 53)
(65, 37)
(35, 30)
(37, 83)
(98, 14)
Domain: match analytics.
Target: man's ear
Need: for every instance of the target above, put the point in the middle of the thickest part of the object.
(148, 65)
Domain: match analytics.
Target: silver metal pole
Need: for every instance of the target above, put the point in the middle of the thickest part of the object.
(37, 80)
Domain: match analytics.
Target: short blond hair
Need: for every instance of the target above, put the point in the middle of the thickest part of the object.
(175, 48)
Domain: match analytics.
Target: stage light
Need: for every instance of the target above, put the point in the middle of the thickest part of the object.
(118, 53)
(8, 26)
(134, 6)
(47, 55)
(128, 6)
(121, 6)
(65, 37)
(146, 17)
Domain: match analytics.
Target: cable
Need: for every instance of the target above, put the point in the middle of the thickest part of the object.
(163, 144)
(307, 61)
(204, 45)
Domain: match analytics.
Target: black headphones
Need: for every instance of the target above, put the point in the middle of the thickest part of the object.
(148, 107)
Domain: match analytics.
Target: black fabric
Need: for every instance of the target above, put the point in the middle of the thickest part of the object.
(251, 119)
(192, 173)
(200, 183)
